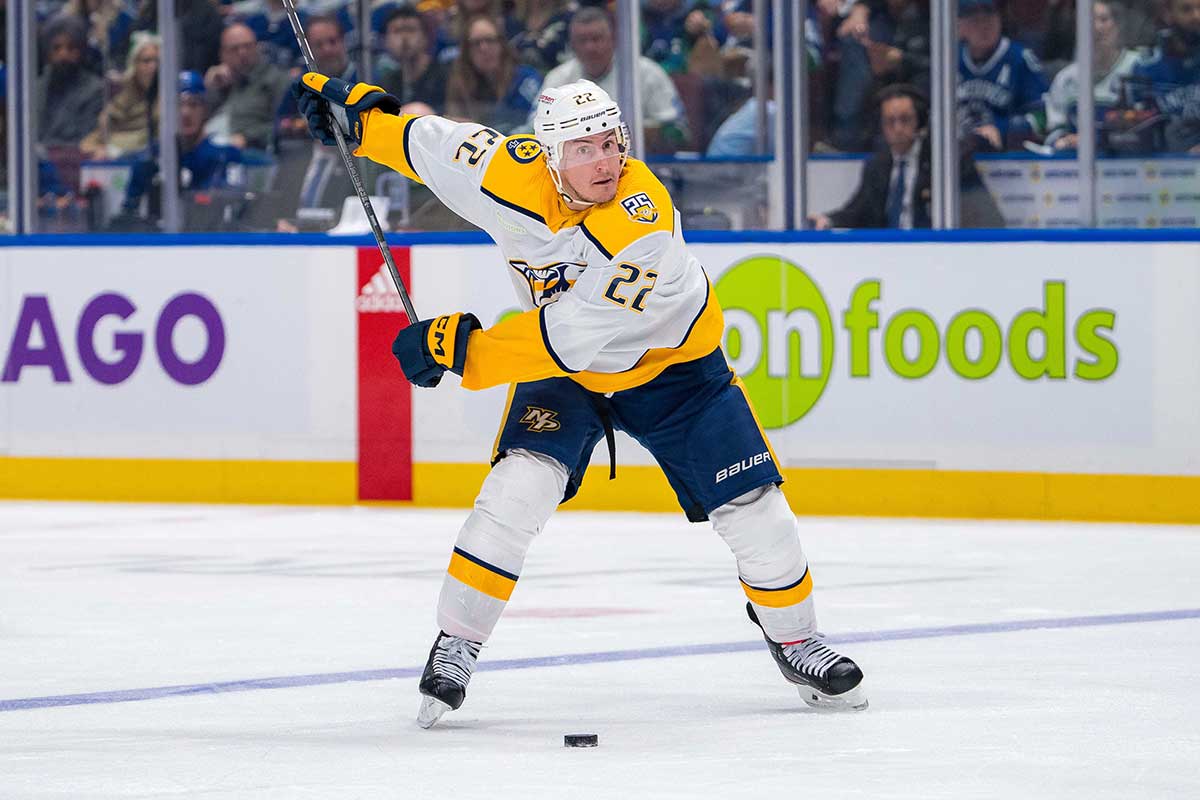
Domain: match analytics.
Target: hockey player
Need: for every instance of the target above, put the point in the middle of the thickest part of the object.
(621, 330)
(1000, 83)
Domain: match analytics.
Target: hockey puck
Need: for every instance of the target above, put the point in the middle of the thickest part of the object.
(581, 740)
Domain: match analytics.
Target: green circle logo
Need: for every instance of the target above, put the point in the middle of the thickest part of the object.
(778, 336)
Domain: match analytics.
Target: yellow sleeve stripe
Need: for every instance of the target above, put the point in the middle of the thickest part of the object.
(481, 576)
(783, 597)
(513, 351)
(385, 141)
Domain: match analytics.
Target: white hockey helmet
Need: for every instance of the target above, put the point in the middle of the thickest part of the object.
(571, 112)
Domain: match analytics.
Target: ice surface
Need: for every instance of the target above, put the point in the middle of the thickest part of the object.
(104, 602)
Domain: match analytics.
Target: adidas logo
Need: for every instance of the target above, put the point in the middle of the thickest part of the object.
(379, 295)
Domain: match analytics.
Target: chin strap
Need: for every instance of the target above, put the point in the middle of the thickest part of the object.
(562, 193)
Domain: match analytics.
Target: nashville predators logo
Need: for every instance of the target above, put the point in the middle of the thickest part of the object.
(548, 282)
(524, 149)
(540, 420)
(640, 208)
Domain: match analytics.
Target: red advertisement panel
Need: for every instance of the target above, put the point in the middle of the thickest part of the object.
(384, 396)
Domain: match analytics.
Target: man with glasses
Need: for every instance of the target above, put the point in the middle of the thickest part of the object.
(896, 186)
(246, 92)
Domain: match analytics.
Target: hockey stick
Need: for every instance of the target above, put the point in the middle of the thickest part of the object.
(344, 149)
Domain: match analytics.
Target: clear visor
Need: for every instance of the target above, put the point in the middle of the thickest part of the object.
(590, 150)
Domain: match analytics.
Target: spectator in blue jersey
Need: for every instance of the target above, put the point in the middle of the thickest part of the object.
(542, 42)
(486, 84)
(202, 164)
(1000, 83)
(269, 21)
(1172, 76)
(672, 29)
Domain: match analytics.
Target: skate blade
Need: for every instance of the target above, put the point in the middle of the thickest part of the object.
(853, 700)
(430, 712)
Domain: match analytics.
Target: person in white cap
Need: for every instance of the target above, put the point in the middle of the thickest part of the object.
(622, 330)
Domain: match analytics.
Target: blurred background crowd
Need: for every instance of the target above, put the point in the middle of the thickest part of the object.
(246, 162)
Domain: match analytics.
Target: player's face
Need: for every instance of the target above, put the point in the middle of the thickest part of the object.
(591, 167)
(899, 119)
(981, 31)
(1185, 15)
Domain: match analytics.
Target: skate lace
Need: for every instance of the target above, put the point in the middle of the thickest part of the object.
(811, 657)
(455, 659)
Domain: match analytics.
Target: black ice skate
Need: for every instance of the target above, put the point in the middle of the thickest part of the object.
(447, 673)
(825, 678)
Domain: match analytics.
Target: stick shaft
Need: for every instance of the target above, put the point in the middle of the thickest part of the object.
(348, 158)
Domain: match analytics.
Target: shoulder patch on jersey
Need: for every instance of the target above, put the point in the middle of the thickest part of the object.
(523, 149)
(640, 208)
(518, 180)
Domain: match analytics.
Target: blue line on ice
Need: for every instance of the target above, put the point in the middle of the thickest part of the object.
(292, 681)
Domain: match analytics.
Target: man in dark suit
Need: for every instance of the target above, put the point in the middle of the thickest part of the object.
(896, 184)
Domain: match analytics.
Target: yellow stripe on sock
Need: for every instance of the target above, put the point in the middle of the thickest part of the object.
(480, 578)
(781, 598)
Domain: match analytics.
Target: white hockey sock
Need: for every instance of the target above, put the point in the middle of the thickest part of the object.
(517, 497)
(760, 529)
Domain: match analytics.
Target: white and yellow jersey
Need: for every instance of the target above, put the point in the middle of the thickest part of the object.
(612, 295)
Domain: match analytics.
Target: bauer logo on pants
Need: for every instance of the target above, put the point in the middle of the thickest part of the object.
(540, 420)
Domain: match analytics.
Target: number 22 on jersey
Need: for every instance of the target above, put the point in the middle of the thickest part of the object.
(473, 148)
(631, 276)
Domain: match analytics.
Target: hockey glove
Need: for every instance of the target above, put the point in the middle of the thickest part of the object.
(322, 99)
(428, 348)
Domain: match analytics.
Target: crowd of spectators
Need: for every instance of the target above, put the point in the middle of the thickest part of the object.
(1018, 84)
(485, 60)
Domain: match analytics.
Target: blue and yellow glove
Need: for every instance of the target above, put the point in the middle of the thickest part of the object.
(321, 98)
(428, 348)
